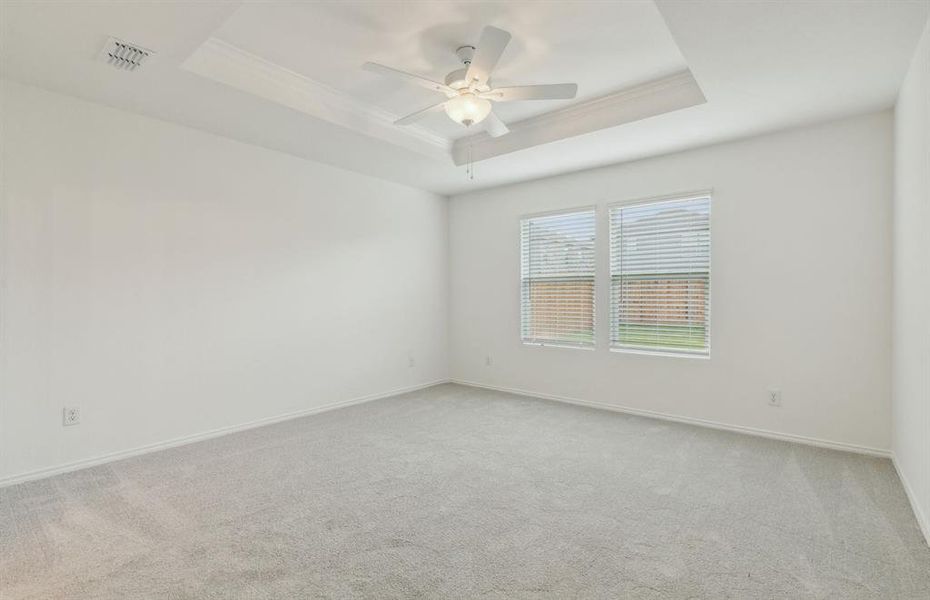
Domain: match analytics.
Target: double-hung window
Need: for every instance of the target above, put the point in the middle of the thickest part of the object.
(557, 278)
(660, 275)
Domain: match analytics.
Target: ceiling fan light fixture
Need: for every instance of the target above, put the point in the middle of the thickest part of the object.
(468, 89)
(467, 109)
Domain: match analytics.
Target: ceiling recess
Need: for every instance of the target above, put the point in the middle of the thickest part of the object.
(123, 55)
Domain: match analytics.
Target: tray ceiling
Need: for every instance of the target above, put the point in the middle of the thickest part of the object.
(760, 67)
(619, 45)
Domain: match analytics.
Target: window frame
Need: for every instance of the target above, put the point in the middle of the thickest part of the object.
(704, 353)
(559, 344)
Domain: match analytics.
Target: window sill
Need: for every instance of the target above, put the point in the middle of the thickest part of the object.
(663, 353)
(557, 345)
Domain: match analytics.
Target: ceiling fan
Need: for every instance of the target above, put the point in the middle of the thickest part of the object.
(468, 90)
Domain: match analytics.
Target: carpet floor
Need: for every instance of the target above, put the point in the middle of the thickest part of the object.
(455, 492)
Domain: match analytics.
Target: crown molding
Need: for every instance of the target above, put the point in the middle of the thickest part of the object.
(649, 99)
(227, 64)
(232, 66)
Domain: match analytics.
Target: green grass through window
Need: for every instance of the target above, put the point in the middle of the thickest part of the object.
(663, 336)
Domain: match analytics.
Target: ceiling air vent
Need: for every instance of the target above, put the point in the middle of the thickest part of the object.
(124, 55)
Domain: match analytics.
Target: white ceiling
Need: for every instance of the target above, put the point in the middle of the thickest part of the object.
(762, 66)
(552, 43)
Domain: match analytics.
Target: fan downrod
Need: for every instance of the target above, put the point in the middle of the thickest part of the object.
(465, 54)
(456, 79)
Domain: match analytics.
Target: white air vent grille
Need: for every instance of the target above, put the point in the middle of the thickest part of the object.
(124, 55)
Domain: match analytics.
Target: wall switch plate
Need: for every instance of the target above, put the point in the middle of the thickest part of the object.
(71, 415)
(774, 397)
(487, 360)
(411, 362)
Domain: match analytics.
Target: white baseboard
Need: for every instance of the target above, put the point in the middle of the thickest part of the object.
(787, 437)
(206, 435)
(922, 521)
(190, 439)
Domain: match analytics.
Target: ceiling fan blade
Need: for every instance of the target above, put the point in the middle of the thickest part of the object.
(423, 81)
(490, 47)
(494, 126)
(414, 117)
(555, 91)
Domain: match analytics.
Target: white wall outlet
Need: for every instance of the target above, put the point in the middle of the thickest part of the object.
(71, 415)
(487, 361)
(410, 361)
(774, 397)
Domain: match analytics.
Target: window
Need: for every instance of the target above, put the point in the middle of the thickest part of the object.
(660, 275)
(557, 278)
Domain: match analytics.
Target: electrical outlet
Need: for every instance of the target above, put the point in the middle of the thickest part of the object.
(487, 360)
(774, 397)
(71, 415)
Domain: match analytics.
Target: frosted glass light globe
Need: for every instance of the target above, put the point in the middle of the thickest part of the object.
(467, 109)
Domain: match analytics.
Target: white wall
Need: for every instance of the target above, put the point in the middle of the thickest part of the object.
(912, 283)
(170, 282)
(801, 290)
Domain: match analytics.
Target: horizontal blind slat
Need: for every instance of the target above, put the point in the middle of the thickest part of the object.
(557, 272)
(660, 275)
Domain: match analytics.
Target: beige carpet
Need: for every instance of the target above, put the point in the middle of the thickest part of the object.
(454, 492)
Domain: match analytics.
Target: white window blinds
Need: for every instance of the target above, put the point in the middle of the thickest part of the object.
(660, 275)
(557, 277)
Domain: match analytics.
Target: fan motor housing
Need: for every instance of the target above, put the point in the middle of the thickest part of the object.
(456, 80)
